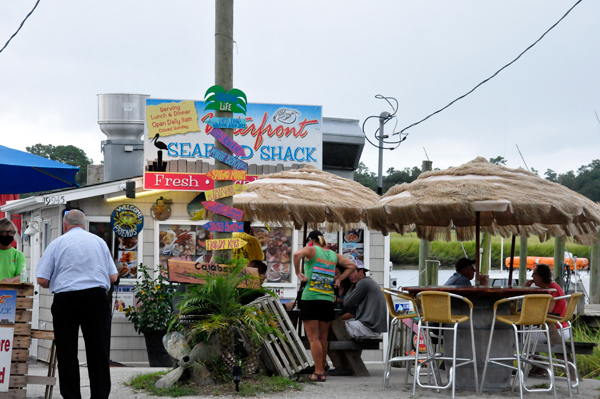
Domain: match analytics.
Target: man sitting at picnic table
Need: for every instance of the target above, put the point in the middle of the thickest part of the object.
(465, 271)
(367, 303)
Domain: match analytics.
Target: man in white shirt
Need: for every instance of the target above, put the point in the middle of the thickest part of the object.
(78, 268)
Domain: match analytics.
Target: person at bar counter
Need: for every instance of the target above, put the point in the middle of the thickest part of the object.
(542, 277)
(465, 271)
(12, 261)
(316, 305)
(252, 250)
(78, 268)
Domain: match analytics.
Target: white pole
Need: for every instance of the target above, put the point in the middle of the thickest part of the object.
(501, 252)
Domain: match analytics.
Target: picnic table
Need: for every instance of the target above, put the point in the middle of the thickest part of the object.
(343, 350)
(483, 298)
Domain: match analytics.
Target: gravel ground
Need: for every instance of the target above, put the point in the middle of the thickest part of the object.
(334, 388)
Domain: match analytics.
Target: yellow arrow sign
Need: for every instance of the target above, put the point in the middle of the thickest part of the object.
(224, 243)
(223, 192)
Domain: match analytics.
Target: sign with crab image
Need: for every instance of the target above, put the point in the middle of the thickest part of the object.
(127, 220)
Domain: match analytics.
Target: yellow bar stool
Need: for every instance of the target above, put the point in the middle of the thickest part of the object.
(394, 333)
(573, 299)
(532, 320)
(436, 308)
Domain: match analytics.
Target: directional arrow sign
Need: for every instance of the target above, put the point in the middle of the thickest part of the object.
(228, 142)
(224, 243)
(227, 123)
(224, 227)
(223, 192)
(224, 210)
(228, 159)
(227, 174)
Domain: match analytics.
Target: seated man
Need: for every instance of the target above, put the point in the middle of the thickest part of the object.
(464, 273)
(368, 306)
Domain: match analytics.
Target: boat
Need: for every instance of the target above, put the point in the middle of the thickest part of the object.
(532, 261)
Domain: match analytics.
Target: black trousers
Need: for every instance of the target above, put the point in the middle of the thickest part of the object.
(89, 310)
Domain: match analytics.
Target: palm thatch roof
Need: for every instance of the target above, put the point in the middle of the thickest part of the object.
(309, 195)
(510, 201)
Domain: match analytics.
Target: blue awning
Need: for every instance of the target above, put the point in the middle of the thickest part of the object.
(22, 172)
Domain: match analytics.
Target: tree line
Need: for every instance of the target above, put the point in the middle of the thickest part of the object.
(585, 181)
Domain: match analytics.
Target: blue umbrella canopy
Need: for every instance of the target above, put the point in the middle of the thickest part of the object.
(22, 172)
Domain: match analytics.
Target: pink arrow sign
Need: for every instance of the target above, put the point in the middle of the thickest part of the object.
(224, 227)
(224, 210)
(228, 142)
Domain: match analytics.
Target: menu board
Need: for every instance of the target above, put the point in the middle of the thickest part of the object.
(123, 298)
(126, 249)
(332, 241)
(183, 242)
(277, 247)
(353, 246)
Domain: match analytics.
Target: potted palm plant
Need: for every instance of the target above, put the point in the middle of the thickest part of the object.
(152, 313)
(217, 306)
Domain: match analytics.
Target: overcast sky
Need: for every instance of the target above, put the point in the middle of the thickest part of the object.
(338, 54)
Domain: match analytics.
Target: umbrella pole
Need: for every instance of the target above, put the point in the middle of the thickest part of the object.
(304, 239)
(512, 260)
(477, 245)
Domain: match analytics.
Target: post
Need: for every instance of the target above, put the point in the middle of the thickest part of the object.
(424, 245)
(487, 249)
(522, 260)
(223, 78)
(432, 271)
(512, 260)
(595, 273)
(559, 259)
(382, 118)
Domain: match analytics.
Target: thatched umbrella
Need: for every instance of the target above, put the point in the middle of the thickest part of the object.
(308, 195)
(477, 194)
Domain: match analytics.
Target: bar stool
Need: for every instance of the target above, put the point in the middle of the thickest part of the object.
(436, 308)
(569, 312)
(532, 320)
(394, 333)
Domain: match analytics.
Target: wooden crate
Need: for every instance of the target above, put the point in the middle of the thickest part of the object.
(284, 357)
(22, 340)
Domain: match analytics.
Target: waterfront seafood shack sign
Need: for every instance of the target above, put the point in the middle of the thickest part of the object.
(274, 134)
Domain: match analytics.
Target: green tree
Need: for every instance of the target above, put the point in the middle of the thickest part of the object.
(394, 177)
(68, 154)
(551, 175)
(365, 177)
(498, 161)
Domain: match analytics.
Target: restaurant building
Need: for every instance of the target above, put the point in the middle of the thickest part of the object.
(171, 225)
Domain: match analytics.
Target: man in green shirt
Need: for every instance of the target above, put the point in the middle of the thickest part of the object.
(11, 260)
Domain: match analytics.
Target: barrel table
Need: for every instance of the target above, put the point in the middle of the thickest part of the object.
(483, 298)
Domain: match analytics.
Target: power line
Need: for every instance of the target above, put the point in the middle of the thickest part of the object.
(491, 77)
(20, 26)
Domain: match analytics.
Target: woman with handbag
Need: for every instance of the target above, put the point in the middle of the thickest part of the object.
(317, 307)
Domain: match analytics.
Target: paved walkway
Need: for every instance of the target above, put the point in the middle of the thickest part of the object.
(334, 388)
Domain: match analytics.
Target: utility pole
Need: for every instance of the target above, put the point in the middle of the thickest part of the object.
(223, 78)
(383, 117)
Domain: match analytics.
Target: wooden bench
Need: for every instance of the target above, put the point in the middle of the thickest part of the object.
(581, 348)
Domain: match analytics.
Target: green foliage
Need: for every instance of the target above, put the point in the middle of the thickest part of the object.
(588, 366)
(585, 182)
(154, 299)
(404, 250)
(498, 161)
(223, 385)
(68, 154)
(368, 179)
(218, 303)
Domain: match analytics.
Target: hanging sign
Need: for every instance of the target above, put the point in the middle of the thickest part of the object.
(127, 220)
(224, 227)
(228, 159)
(6, 338)
(224, 210)
(227, 123)
(8, 306)
(227, 174)
(179, 271)
(217, 99)
(223, 192)
(224, 243)
(228, 142)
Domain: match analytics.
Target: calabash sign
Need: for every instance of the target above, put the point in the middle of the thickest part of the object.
(127, 220)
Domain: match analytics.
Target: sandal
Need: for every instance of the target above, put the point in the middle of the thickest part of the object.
(319, 377)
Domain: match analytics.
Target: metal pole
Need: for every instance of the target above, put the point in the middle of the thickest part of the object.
(522, 260)
(382, 118)
(595, 273)
(223, 78)
(477, 246)
(512, 260)
(559, 259)
(424, 245)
